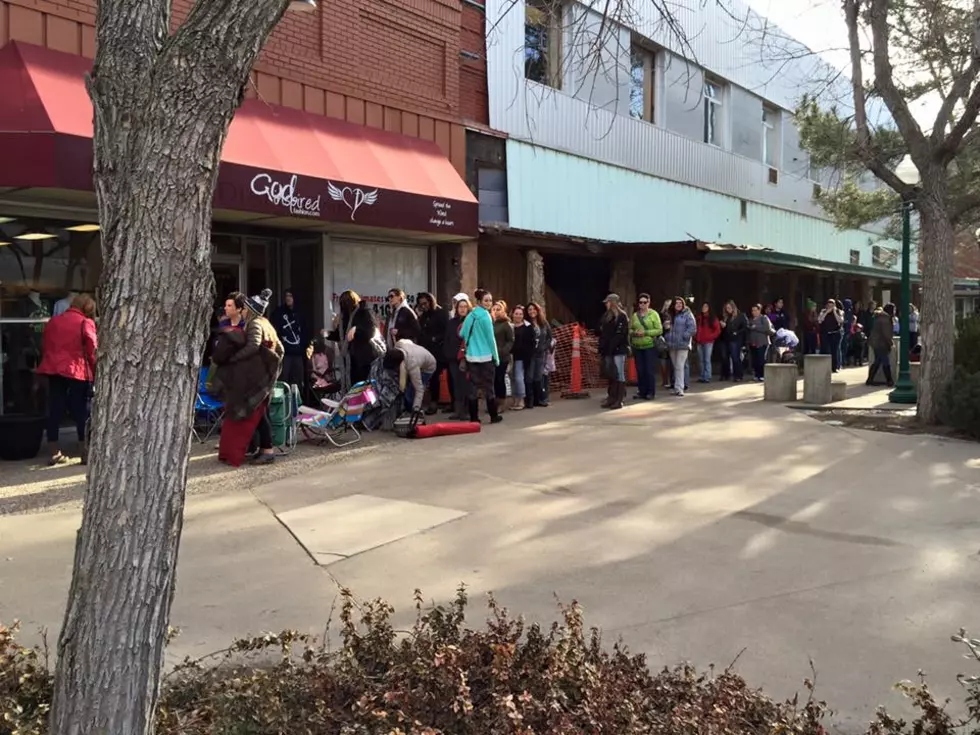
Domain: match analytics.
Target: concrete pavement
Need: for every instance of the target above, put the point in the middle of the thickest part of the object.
(691, 527)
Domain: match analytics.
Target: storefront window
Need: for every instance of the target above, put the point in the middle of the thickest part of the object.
(43, 265)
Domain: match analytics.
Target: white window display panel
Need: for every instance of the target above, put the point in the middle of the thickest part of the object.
(373, 269)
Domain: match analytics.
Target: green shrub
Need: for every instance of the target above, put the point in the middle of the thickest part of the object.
(966, 349)
(959, 407)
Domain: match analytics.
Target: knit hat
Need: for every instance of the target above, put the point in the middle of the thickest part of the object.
(260, 303)
(460, 297)
(613, 297)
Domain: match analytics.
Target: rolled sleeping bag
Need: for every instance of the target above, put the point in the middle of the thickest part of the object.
(446, 429)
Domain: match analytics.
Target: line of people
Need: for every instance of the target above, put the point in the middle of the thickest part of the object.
(486, 348)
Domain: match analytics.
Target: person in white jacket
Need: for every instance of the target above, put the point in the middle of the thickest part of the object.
(416, 367)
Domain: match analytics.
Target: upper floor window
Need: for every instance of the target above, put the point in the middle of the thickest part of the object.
(642, 66)
(542, 42)
(713, 113)
(770, 136)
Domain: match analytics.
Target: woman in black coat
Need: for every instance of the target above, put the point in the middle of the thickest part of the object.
(433, 322)
(525, 345)
(356, 331)
(613, 348)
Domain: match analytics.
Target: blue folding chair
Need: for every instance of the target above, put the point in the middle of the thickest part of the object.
(208, 410)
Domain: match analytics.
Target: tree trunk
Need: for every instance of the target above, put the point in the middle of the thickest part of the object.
(162, 106)
(937, 327)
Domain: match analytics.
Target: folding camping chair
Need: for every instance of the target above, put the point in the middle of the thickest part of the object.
(283, 412)
(208, 410)
(337, 419)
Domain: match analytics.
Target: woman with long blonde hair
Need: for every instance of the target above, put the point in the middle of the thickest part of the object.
(503, 333)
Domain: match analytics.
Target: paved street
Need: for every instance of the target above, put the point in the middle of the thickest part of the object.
(692, 528)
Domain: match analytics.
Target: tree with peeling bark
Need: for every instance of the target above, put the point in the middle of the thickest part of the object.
(914, 53)
(163, 100)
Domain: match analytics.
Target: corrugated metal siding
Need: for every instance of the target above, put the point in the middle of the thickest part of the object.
(559, 193)
(535, 113)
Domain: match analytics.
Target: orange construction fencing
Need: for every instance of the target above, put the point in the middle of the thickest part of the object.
(588, 374)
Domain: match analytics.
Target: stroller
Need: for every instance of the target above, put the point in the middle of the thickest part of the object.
(785, 348)
(391, 400)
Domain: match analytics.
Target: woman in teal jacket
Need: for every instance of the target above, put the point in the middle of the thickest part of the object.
(481, 356)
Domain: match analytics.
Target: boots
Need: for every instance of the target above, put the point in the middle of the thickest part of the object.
(495, 417)
(610, 393)
(619, 393)
(539, 399)
(474, 408)
(888, 375)
(872, 373)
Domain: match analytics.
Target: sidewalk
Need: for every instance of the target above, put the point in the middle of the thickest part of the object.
(691, 527)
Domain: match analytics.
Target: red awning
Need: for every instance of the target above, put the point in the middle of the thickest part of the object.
(277, 161)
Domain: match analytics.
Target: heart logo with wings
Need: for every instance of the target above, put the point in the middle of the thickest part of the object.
(353, 198)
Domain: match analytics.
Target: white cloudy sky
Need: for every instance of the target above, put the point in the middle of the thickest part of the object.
(820, 25)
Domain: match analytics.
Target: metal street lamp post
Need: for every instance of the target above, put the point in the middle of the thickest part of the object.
(905, 391)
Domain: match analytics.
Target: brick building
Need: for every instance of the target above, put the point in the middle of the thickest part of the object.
(357, 104)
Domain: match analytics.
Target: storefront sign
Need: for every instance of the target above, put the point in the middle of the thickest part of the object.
(353, 198)
(441, 214)
(284, 195)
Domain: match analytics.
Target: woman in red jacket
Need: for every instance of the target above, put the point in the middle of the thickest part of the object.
(68, 359)
(709, 330)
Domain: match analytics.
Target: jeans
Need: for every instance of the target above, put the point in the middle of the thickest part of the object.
(704, 358)
(679, 359)
(68, 395)
(410, 392)
(294, 371)
(810, 343)
(759, 360)
(517, 384)
(615, 365)
(831, 346)
(646, 371)
(435, 385)
(733, 359)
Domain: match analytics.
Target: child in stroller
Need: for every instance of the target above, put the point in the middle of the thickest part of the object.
(785, 346)
(323, 380)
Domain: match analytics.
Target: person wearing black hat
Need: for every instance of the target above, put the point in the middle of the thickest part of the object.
(255, 368)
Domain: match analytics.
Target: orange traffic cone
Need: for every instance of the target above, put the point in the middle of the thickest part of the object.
(575, 384)
(444, 396)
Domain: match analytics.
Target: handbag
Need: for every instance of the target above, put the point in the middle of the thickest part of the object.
(405, 426)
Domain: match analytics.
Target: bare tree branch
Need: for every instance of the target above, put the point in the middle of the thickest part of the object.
(864, 144)
(961, 86)
(885, 82)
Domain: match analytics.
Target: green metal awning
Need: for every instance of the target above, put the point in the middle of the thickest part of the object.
(786, 260)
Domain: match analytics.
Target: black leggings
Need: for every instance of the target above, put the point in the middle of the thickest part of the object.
(264, 430)
(500, 381)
